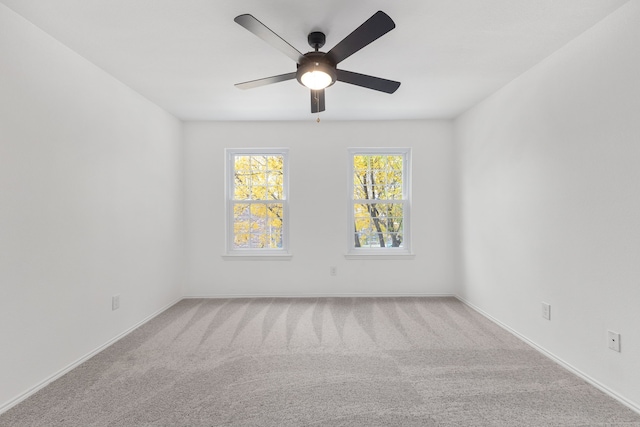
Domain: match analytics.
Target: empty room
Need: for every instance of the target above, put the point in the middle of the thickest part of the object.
(295, 213)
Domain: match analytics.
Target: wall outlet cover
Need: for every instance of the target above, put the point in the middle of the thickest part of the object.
(614, 340)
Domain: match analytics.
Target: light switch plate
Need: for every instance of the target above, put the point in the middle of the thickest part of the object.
(546, 311)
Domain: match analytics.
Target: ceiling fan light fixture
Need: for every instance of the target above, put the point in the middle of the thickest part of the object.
(316, 79)
(316, 75)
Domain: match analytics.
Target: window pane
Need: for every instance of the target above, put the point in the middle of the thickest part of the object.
(361, 211)
(274, 182)
(258, 192)
(258, 164)
(389, 210)
(242, 177)
(274, 189)
(258, 200)
(241, 225)
(377, 177)
(241, 241)
(378, 224)
(394, 192)
(258, 225)
(274, 179)
(394, 162)
(274, 212)
(359, 187)
(379, 192)
(258, 177)
(242, 165)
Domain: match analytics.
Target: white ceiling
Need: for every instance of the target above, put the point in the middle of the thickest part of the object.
(186, 55)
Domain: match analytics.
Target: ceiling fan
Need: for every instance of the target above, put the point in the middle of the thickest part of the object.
(317, 70)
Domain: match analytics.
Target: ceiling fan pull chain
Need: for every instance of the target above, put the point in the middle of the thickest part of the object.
(317, 99)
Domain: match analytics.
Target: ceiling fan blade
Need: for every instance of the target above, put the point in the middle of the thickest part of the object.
(372, 29)
(262, 31)
(266, 81)
(317, 101)
(370, 82)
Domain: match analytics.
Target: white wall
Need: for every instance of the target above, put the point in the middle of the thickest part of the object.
(318, 210)
(90, 206)
(550, 202)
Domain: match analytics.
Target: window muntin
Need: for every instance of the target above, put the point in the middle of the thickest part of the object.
(257, 201)
(379, 201)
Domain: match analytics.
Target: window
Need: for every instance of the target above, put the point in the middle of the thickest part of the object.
(257, 206)
(379, 201)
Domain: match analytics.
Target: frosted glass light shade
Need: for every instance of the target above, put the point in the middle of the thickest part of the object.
(316, 79)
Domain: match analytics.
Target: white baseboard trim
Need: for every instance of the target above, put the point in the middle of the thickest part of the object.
(13, 402)
(321, 295)
(631, 405)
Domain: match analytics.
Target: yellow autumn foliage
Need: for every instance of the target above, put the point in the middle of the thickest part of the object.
(258, 186)
(377, 194)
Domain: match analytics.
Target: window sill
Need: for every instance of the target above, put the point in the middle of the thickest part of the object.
(257, 257)
(385, 256)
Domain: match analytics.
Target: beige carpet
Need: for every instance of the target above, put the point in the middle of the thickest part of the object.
(319, 362)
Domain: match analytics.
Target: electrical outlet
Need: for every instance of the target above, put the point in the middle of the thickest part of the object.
(115, 302)
(614, 341)
(546, 311)
(333, 270)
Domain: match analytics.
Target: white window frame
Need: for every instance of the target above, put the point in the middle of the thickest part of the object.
(262, 253)
(405, 251)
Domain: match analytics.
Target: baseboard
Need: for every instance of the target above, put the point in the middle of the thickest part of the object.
(13, 402)
(631, 405)
(321, 295)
